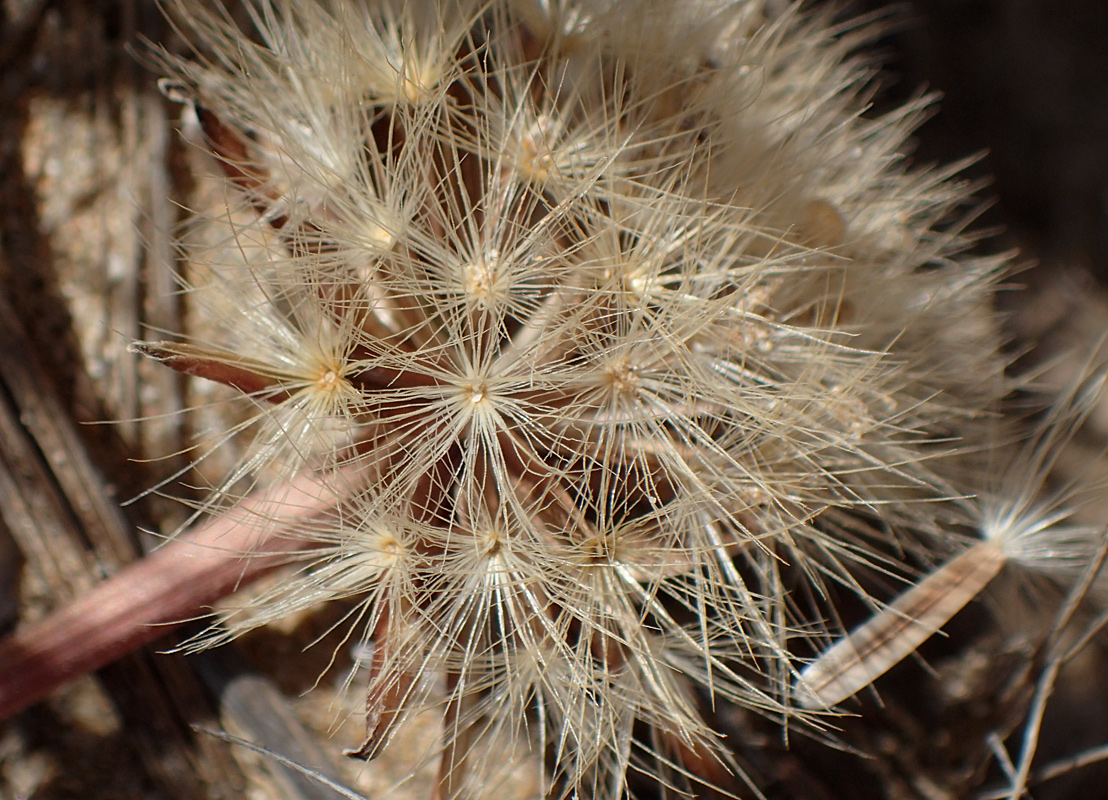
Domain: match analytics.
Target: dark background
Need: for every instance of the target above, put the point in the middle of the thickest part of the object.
(1026, 83)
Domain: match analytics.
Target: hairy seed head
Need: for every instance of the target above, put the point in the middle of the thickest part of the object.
(628, 337)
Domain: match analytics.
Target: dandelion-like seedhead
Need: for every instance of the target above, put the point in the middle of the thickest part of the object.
(624, 335)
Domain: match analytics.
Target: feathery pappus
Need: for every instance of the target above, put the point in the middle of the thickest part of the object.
(627, 337)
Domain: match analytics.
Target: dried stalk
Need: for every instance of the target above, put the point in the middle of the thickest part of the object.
(147, 598)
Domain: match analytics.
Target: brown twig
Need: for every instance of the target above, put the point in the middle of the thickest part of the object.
(145, 599)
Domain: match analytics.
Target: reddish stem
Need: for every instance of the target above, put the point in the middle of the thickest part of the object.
(147, 598)
(246, 376)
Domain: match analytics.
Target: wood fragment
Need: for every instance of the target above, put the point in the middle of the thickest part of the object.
(41, 443)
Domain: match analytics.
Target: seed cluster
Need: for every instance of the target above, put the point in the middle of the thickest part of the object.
(626, 336)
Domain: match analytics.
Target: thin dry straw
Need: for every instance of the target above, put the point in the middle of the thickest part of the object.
(316, 775)
(1059, 654)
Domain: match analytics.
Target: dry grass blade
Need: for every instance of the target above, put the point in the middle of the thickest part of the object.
(869, 651)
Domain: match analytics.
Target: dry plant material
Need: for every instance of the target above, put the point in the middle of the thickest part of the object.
(1019, 522)
(633, 342)
(138, 604)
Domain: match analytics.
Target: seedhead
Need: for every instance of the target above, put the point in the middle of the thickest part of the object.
(627, 341)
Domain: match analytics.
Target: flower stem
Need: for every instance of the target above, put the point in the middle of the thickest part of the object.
(143, 601)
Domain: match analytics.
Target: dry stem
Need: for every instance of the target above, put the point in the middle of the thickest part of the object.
(147, 598)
